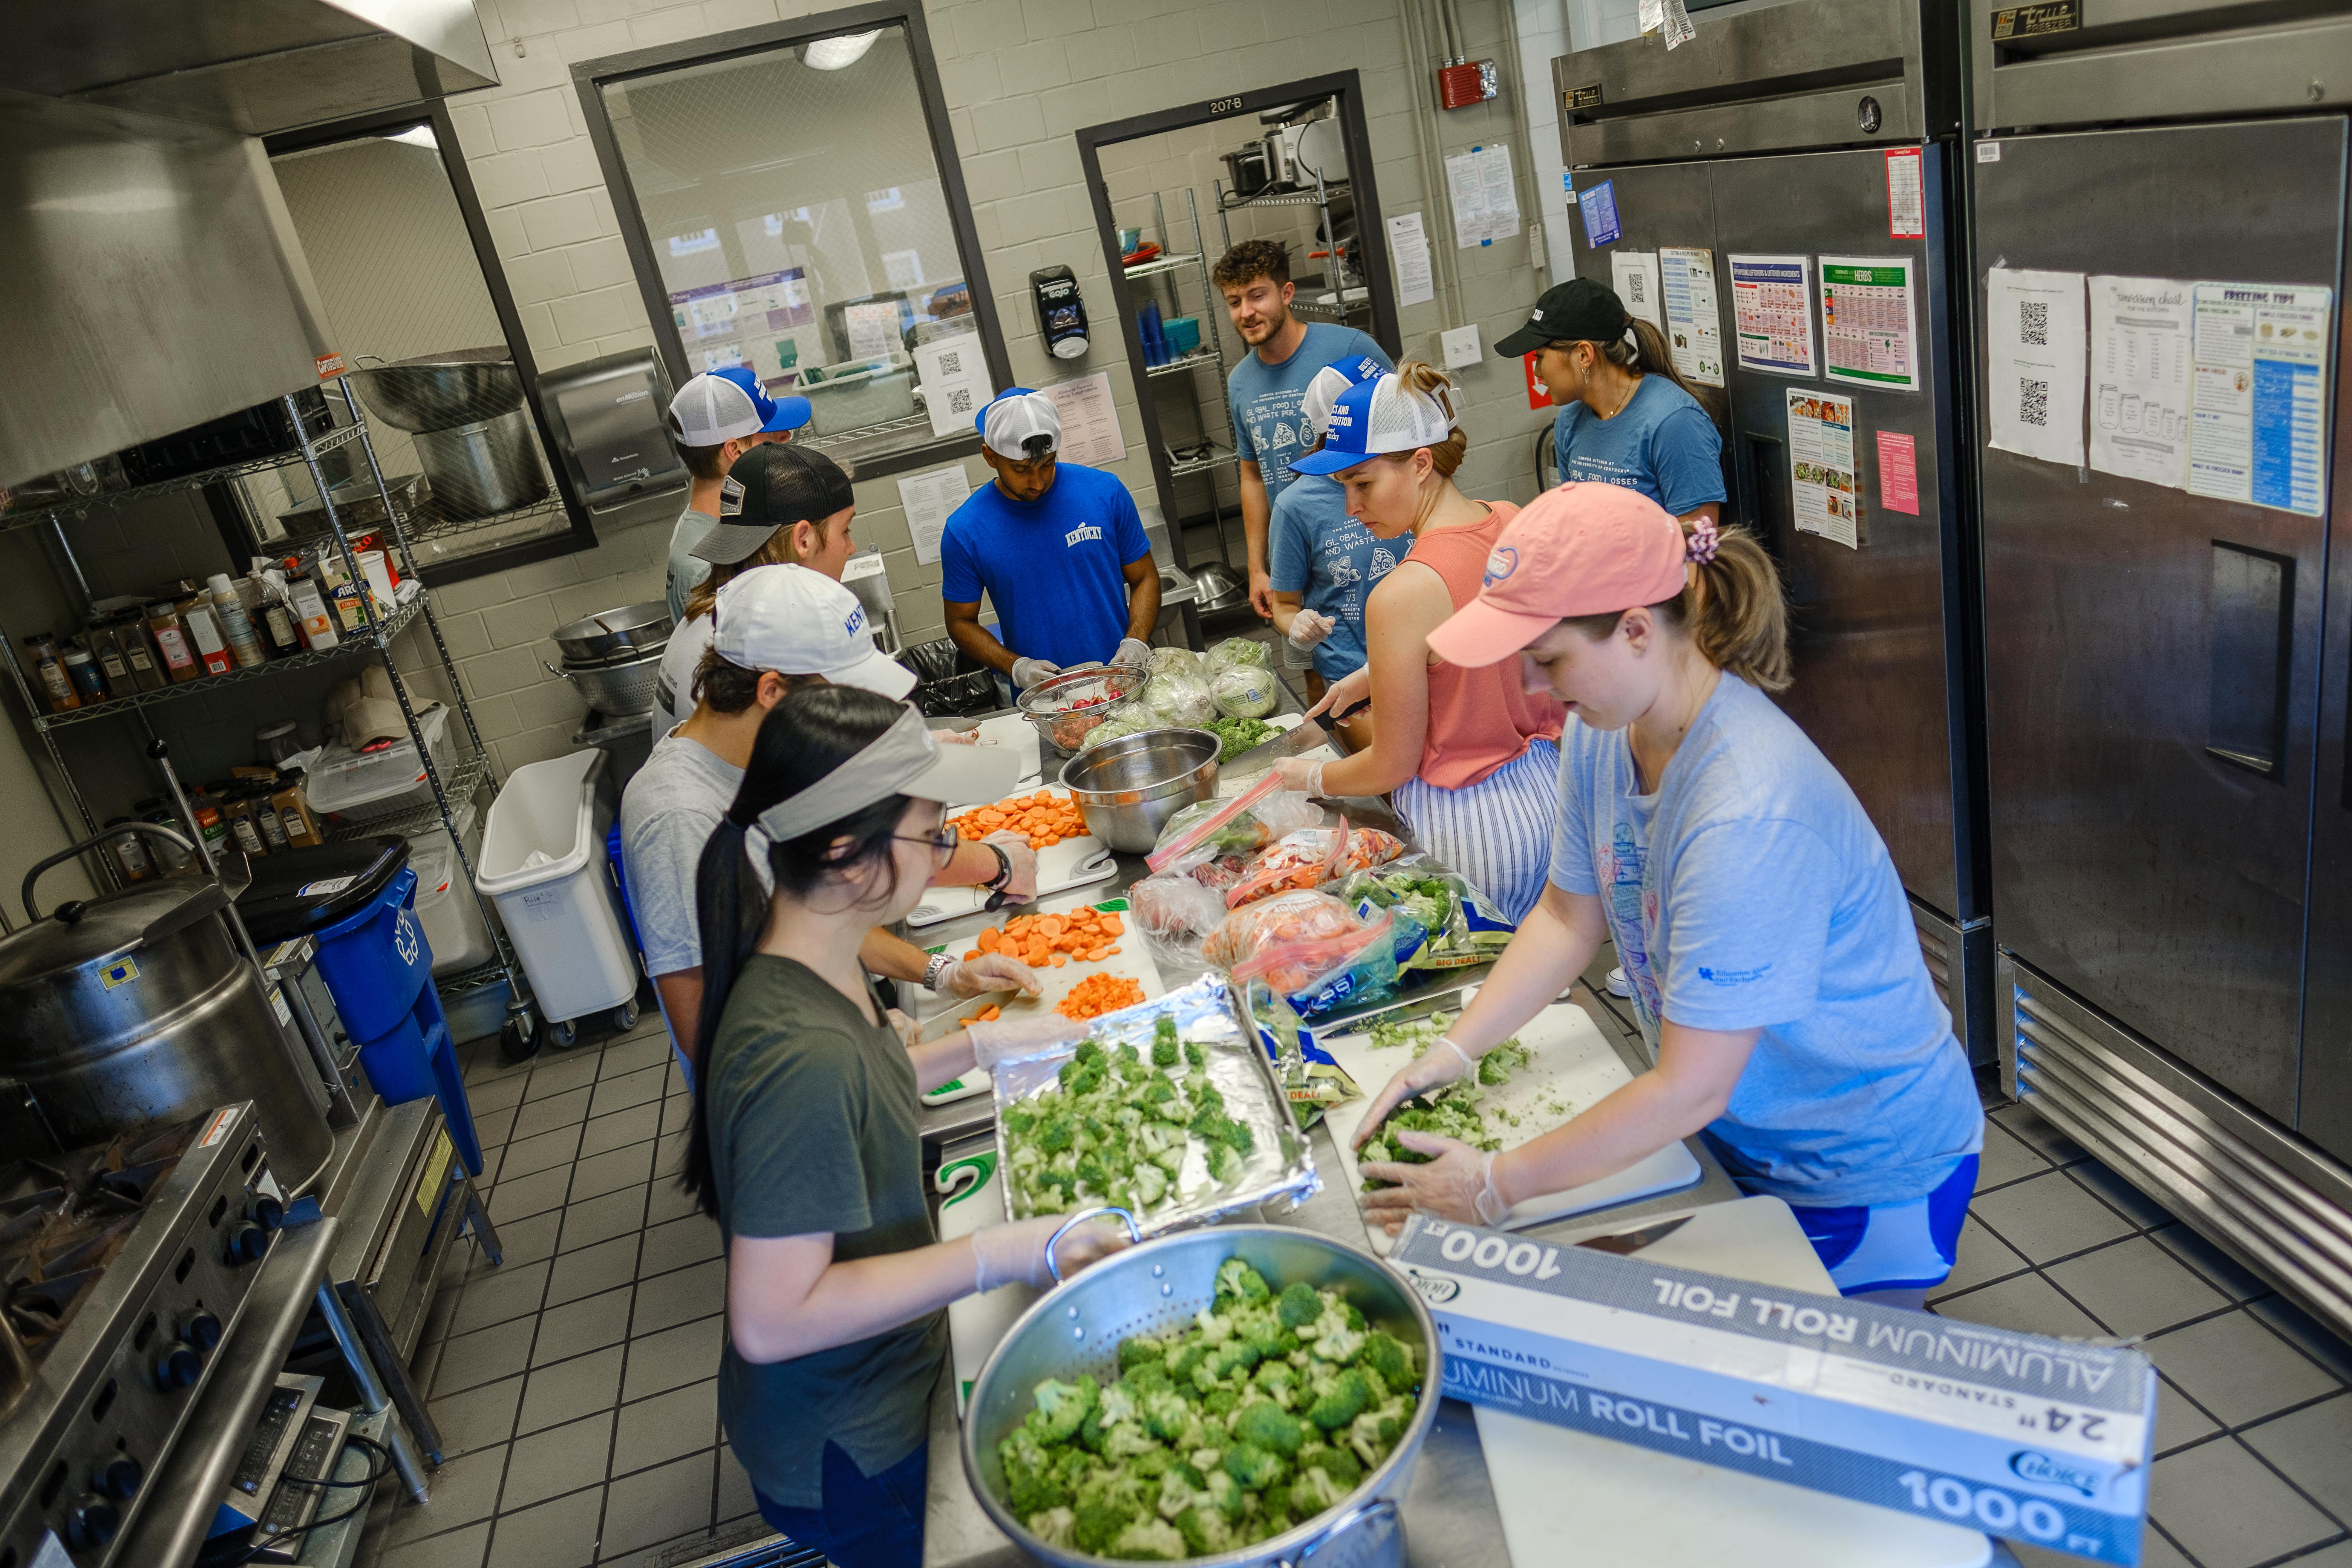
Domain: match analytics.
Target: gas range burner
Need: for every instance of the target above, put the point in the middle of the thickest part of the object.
(62, 1220)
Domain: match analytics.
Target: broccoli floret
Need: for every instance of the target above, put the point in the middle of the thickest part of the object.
(1133, 1353)
(1278, 1381)
(1060, 1407)
(1126, 1441)
(1096, 1525)
(1342, 1465)
(1224, 1492)
(1117, 1402)
(1239, 1280)
(1335, 1340)
(1385, 1354)
(1170, 1161)
(1206, 1532)
(1056, 1134)
(1236, 1136)
(1268, 1426)
(1150, 1377)
(1091, 1171)
(1297, 1306)
(1194, 1056)
(1152, 1465)
(1019, 1120)
(1188, 1360)
(1180, 1487)
(1312, 1491)
(1150, 1185)
(1053, 1527)
(1035, 1491)
(1252, 1468)
(1150, 1541)
(1225, 1165)
(1347, 1398)
(1164, 1053)
(1089, 1050)
(1166, 1414)
(1221, 1402)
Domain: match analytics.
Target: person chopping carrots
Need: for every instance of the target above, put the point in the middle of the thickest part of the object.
(1775, 971)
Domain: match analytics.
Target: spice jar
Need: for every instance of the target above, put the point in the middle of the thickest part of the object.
(171, 634)
(49, 672)
(129, 629)
(88, 680)
(129, 852)
(275, 743)
(204, 633)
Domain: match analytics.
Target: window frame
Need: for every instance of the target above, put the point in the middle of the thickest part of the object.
(582, 534)
(589, 79)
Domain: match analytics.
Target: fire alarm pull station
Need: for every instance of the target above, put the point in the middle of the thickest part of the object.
(1463, 83)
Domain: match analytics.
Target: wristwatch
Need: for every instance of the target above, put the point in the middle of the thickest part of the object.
(935, 972)
(999, 884)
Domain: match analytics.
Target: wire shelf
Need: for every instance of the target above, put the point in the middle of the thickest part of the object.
(1302, 199)
(1315, 310)
(82, 506)
(461, 782)
(1217, 459)
(425, 524)
(1161, 264)
(479, 978)
(352, 643)
(905, 424)
(1192, 361)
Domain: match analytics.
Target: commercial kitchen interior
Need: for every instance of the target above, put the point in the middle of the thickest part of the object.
(2124, 844)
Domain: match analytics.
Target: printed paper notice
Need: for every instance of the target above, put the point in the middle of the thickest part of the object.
(1486, 202)
(1694, 319)
(1898, 473)
(2035, 356)
(1821, 465)
(1089, 421)
(930, 498)
(2139, 378)
(1408, 245)
(954, 373)
(873, 330)
(1906, 195)
(2258, 424)
(1772, 313)
(1634, 275)
(1867, 336)
(1599, 209)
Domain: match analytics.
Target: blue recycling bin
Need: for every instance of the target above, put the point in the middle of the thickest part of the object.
(357, 903)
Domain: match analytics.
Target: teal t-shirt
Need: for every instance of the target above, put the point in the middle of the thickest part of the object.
(1330, 561)
(1661, 443)
(1268, 427)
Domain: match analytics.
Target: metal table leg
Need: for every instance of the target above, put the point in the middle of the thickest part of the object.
(478, 1220)
(372, 1391)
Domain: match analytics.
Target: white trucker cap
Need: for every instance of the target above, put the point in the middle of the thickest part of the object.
(797, 621)
(1017, 416)
(1373, 418)
(721, 406)
(1333, 379)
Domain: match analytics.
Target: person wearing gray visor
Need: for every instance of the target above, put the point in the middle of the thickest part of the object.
(805, 1144)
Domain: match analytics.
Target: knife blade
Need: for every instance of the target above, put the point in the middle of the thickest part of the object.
(1625, 1243)
(1305, 736)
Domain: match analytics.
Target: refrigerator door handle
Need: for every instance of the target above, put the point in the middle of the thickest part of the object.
(2250, 617)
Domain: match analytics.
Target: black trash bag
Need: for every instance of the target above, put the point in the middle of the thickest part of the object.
(948, 683)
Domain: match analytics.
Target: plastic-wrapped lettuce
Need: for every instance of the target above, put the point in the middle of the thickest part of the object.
(1178, 700)
(1164, 659)
(1244, 691)
(1241, 652)
(1130, 720)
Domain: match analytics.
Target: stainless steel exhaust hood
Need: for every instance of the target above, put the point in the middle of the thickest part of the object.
(256, 65)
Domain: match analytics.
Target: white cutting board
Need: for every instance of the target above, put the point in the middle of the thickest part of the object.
(1623, 1504)
(1013, 731)
(1573, 1065)
(937, 1015)
(974, 1200)
(1078, 862)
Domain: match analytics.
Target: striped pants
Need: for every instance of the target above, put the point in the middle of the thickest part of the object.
(1497, 832)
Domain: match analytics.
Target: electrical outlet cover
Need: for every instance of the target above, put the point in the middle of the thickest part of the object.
(1461, 347)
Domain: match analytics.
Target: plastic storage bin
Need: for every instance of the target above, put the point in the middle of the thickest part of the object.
(360, 787)
(453, 921)
(543, 864)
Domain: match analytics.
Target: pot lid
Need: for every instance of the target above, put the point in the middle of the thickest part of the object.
(91, 931)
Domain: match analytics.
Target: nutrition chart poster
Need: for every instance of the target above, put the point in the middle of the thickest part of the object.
(1772, 313)
(1821, 466)
(1868, 335)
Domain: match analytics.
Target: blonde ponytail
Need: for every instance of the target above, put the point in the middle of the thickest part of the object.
(1732, 606)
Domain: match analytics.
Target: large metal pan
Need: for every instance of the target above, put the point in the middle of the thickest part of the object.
(609, 634)
(438, 390)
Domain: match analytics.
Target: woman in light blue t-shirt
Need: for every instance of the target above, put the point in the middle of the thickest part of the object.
(1773, 964)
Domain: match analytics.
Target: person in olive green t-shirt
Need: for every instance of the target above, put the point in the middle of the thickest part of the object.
(805, 1143)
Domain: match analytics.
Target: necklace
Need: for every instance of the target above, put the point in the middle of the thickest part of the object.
(1632, 385)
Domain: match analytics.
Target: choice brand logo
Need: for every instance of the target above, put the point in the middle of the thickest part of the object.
(1433, 1288)
(2043, 1470)
(1501, 562)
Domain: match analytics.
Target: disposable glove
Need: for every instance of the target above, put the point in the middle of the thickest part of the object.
(1458, 1183)
(988, 972)
(1442, 1064)
(1016, 1254)
(1348, 692)
(1302, 774)
(1132, 651)
(1001, 1040)
(1028, 672)
(911, 1033)
(1308, 628)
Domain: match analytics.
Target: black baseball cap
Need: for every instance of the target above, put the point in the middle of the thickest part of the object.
(782, 485)
(1578, 310)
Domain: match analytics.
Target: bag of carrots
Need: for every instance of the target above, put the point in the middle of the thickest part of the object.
(1311, 857)
(1213, 841)
(1311, 948)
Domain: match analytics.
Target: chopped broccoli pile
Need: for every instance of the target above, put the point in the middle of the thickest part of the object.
(1116, 1129)
(1450, 1112)
(1265, 1411)
(1236, 736)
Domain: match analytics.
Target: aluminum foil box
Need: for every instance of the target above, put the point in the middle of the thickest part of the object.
(2039, 1439)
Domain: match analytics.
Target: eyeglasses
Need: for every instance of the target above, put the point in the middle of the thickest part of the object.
(943, 842)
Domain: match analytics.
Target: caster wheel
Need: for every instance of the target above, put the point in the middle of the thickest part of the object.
(563, 1036)
(624, 1016)
(518, 1041)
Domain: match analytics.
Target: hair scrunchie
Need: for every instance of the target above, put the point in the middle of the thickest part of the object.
(1699, 546)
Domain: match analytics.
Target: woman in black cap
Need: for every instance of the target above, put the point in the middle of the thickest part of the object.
(1627, 416)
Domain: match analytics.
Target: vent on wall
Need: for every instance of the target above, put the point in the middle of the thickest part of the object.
(2253, 1188)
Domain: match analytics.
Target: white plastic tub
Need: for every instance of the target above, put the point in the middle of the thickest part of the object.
(361, 787)
(453, 922)
(543, 865)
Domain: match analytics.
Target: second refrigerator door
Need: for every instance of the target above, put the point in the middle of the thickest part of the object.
(2152, 656)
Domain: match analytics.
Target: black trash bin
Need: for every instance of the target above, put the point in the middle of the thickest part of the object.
(948, 682)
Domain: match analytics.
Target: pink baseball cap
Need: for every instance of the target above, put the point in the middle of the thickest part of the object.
(1581, 549)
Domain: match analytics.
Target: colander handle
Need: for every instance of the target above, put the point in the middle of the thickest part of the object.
(1348, 1520)
(1134, 1232)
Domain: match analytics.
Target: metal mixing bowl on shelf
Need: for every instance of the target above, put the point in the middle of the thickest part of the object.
(1128, 788)
(1063, 708)
(1158, 1287)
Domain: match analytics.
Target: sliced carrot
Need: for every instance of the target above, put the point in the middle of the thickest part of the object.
(1096, 955)
(1113, 925)
(970, 954)
(1059, 959)
(1053, 925)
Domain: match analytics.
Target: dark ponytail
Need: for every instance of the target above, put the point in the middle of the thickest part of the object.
(805, 737)
(1643, 348)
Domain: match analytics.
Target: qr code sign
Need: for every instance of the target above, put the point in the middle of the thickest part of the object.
(951, 364)
(960, 400)
(2033, 323)
(2033, 402)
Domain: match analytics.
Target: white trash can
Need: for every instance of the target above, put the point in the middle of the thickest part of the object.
(543, 865)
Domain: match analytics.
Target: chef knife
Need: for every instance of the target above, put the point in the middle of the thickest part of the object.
(1625, 1243)
(1308, 735)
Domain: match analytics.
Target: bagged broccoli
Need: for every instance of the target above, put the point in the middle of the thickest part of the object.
(1462, 928)
(1244, 691)
(1178, 700)
(1240, 651)
(1212, 841)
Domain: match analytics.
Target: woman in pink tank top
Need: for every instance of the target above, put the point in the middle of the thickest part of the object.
(1470, 760)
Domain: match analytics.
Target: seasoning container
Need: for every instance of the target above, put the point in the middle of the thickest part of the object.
(236, 810)
(49, 672)
(236, 627)
(89, 681)
(312, 619)
(138, 654)
(112, 669)
(171, 634)
(294, 814)
(210, 828)
(273, 743)
(256, 797)
(129, 853)
(204, 632)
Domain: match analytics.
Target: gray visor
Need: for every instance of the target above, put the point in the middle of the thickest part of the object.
(902, 760)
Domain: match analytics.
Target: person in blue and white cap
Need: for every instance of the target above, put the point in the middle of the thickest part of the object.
(1324, 562)
(715, 419)
(1057, 547)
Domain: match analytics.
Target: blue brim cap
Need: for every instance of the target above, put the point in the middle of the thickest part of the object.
(1345, 443)
(1330, 460)
(979, 420)
(791, 413)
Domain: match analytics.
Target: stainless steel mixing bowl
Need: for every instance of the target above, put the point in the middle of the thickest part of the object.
(1128, 788)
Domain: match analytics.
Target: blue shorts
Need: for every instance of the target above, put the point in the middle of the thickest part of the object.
(1893, 1246)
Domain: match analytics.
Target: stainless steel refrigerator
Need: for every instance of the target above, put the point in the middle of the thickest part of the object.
(2166, 604)
(1824, 128)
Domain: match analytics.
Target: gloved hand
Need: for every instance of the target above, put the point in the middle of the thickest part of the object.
(1028, 672)
(1458, 1183)
(1009, 1040)
(1442, 1064)
(1345, 693)
(1024, 885)
(988, 972)
(1132, 651)
(911, 1033)
(969, 736)
(1016, 1254)
(1302, 774)
(1308, 628)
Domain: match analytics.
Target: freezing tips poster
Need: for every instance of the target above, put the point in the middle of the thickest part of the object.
(1820, 465)
(2258, 422)
(1693, 321)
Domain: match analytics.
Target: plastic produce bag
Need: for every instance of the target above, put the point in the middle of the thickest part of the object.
(1212, 841)
(1310, 948)
(1178, 700)
(1164, 659)
(1310, 857)
(1240, 651)
(1124, 721)
(1244, 691)
(1175, 912)
(1462, 928)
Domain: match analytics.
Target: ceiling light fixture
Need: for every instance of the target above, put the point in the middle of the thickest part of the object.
(417, 136)
(833, 53)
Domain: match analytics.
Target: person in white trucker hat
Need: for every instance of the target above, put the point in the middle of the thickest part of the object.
(777, 627)
(1323, 563)
(1058, 549)
(715, 419)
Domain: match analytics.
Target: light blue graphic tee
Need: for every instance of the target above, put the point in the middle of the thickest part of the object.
(1330, 561)
(1661, 443)
(1269, 428)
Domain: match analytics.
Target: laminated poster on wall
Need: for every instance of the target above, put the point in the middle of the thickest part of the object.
(1694, 317)
(2258, 420)
(746, 321)
(1598, 207)
(2034, 357)
(954, 373)
(1772, 313)
(1821, 466)
(1634, 275)
(1409, 245)
(1869, 336)
(931, 498)
(2139, 378)
(1089, 421)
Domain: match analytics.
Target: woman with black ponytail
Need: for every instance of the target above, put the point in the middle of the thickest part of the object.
(805, 1143)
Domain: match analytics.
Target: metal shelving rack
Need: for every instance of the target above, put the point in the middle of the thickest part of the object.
(1207, 455)
(1320, 200)
(465, 779)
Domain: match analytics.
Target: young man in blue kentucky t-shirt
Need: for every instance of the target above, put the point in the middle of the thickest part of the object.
(1058, 549)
